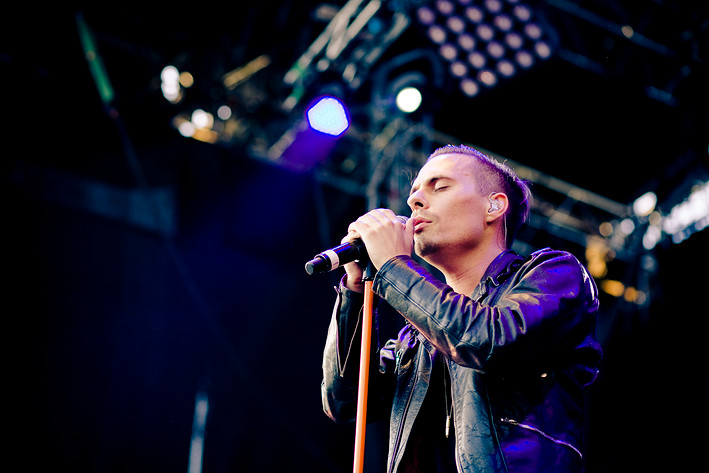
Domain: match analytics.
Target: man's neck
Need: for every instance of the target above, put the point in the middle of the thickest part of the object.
(464, 273)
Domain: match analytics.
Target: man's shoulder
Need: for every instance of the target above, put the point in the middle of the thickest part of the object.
(549, 254)
(562, 267)
(558, 262)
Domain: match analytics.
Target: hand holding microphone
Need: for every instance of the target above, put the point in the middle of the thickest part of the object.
(383, 233)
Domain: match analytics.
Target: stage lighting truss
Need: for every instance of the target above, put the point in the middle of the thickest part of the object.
(485, 42)
(657, 45)
(354, 39)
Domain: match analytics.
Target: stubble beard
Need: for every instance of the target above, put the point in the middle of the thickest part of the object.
(424, 247)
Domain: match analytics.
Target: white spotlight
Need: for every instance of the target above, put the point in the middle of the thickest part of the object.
(645, 204)
(170, 83)
(202, 119)
(408, 99)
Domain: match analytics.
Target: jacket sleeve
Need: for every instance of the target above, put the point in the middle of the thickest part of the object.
(341, 360)
(541, 306)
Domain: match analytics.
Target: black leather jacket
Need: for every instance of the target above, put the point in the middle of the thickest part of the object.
(520, 350)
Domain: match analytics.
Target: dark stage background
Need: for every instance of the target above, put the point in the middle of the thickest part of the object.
(133, 285)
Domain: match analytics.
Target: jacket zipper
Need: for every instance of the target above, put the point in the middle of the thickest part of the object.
(446, 390)
(542, 433)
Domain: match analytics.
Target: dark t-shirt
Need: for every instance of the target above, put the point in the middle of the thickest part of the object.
(428, 449)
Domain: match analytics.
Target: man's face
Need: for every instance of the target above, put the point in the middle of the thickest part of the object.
(447, 206)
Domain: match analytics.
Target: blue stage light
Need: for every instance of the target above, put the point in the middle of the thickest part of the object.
(328, 115)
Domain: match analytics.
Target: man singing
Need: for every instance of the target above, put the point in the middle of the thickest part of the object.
(489, 372)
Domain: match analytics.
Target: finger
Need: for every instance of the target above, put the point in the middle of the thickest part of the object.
(374, 219)
(384, 215)
(380, 218)
(352, 228)
(351, 235)
(363, 224)
(409, 226)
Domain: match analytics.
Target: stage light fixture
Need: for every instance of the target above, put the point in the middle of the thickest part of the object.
(198, 125)
(645, 204)
(437, 34)
(202, 119)
(689, 216)
(426, 16)
(459, 69)
(469, 87)
(445, 6)
(408, 99)
(505, 68)
(491, 40)
(170, 84)
(466, 41)
(186, 79)
(524, 59)
(455, 24)
(487, 77)
(186, 128)
(224, 112)
(328, 115)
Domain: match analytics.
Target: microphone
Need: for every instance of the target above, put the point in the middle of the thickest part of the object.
(336, 257)
(340, 255)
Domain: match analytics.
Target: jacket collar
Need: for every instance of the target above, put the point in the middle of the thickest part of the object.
(502, 267)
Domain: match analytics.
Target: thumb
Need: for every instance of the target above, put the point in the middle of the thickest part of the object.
(410, 228)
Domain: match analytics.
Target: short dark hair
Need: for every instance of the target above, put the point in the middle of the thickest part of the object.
(498, 177)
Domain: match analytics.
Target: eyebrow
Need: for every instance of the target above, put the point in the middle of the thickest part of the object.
(430, 181)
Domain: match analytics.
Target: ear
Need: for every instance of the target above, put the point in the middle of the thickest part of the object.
(499, 203)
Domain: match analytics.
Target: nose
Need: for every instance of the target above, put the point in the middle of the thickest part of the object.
(416, 200)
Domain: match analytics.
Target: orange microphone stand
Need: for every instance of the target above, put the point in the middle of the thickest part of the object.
(361, 423)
